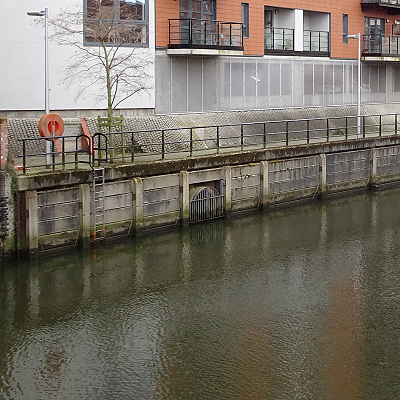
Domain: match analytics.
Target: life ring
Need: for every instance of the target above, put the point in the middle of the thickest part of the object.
(51, 125)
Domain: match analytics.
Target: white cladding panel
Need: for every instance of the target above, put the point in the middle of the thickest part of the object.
(22, 63)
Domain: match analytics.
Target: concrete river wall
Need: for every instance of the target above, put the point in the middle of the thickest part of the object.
(56, 209)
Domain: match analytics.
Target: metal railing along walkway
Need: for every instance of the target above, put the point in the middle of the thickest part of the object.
(160, 144)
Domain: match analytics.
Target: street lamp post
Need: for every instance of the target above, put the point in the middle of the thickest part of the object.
(358, 36)
(45, 13)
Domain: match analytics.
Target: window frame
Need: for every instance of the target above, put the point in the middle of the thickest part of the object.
(345, 28)
(246, 20)
(118, 21)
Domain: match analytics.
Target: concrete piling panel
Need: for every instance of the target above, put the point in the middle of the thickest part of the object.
(373, 167)
(84, 215)
(245, 186)
(32, 225)
(137, 205)
(227, 178)
(161, 200)
(322, 174)
(264, 185)
(184, 198)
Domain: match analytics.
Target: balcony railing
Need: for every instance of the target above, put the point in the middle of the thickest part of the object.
(202, 33)
(391, 6)
(279, 39)
(316, 41)
(282, 39)
(382, 45)
(388, 2)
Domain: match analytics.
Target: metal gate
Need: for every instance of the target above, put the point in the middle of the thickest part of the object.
(205, 203)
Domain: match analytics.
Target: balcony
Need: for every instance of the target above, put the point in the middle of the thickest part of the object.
(281, 40)
(392, 7)
(278, 40)
(316, 42)
(387, 47)
(205, 37)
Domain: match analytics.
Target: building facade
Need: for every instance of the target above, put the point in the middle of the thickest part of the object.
(206, 55)
(225, 55)
(124, 23)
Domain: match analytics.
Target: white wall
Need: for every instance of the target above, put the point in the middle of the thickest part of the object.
(22, 62)
(316, 21)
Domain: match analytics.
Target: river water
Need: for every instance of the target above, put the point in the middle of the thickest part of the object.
(300, 303)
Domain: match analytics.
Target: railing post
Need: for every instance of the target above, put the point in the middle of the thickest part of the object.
(241, 137)
(395, 124)
(308, 131)
(53, 155)
(133, 148)
(63, 153)
(24, 156)
(162, 144)
(230, 34)
(346, 128)
(265, 137)
(380, 125)
(327, 129)
(217, 139)
(190, 30)
(76, 152)
(287, 133)
(363, 118)
(191, 142)
(319, 40)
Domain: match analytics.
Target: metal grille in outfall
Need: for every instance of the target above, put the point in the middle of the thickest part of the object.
(205, 203)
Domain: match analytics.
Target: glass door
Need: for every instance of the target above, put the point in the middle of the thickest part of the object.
(374, 31)
(198, 24)
(268, 33)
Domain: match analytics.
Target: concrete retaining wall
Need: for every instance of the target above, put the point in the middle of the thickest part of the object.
(56, 210)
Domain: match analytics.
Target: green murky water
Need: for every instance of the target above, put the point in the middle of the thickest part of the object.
(302, 303)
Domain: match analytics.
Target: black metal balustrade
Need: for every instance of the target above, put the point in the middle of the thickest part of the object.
(204, 33)
(279, 39)
(381, 45)
(316, 41)
(156, 144)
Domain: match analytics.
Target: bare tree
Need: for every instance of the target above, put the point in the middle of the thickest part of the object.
(106, 36)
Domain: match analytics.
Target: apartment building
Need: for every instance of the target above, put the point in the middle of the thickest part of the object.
(233, 55)
(209, 55)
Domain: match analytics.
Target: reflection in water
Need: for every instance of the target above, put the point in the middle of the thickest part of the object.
(298, 303)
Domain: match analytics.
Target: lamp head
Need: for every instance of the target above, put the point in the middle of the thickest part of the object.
(37, 13)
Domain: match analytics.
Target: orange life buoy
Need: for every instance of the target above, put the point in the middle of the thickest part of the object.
(51, 125)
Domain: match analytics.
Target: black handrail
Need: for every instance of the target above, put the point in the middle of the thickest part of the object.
(228, 137)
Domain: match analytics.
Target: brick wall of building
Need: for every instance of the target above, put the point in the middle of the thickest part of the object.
(228, 10)
(5, 188)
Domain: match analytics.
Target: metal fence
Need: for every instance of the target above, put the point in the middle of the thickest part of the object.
(160, 144)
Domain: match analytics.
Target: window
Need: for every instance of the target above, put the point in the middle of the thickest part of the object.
(245, 19)
(122, 22)
(345, 28)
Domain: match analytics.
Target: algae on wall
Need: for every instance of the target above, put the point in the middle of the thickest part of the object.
(7, 209)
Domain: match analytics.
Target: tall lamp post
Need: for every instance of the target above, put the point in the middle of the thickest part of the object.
(358, 36)
(45, 13)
